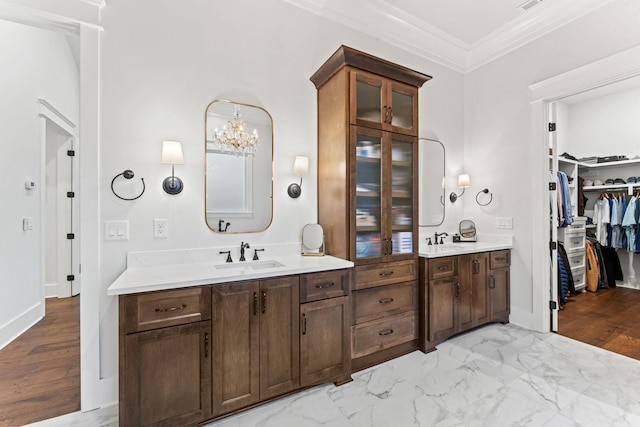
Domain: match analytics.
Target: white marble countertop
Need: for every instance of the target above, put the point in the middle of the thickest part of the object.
(172, 276)
(483, 244)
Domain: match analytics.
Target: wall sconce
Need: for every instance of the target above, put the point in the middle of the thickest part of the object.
(300, 167)
(463, 181)
(172, 155)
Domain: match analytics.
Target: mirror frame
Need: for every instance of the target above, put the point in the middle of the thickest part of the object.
(442, 197)
(206, 112)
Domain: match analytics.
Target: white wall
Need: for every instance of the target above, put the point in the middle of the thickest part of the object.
(498, 143)
(164, 61)
(35, 64)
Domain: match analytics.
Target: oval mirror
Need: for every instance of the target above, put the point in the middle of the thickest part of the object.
(239, 167)
(431, 178)
(467, 230)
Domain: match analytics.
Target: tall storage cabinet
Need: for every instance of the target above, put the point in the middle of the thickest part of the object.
(367, 192)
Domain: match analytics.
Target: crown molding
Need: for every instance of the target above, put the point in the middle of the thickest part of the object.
(384, 21)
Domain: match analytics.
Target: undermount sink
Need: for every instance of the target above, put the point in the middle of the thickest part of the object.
(249, 265)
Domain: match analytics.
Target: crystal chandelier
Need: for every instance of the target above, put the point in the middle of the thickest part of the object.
(234, 138)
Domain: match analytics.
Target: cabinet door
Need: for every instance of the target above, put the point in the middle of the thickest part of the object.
(236, 359)
(402, 194)
(442, 297)
(403, 114)
(480, 288)
(167, 378)
(324, 341)
(499, 294)
(366, 196)
(464, 294)
(279, 336)
(368, 100)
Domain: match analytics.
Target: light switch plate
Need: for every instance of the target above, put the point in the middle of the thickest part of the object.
(116, 230)
(504, 222)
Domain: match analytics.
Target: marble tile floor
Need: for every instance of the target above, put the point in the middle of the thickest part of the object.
(497, 376)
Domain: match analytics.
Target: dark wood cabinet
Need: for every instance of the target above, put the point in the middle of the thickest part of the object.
(458, 293)
(324, 342)
(367, 189)
(255, 342)
(165, 371)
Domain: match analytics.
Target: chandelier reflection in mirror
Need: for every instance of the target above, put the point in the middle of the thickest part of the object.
(234, 137)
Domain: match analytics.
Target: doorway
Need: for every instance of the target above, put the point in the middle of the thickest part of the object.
(59, 208)
(591, 126)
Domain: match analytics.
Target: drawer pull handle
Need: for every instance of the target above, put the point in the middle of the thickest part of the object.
(457, 290)
(206, 344)
(386, 300)
(304, 324)
(255, 303)
(385, 332)
(500, 258)
(164, 310)
(444, 267)
(492, 282)
(325, 285)
(386, 273)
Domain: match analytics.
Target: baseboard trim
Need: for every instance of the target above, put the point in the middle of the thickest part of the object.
(20, 324)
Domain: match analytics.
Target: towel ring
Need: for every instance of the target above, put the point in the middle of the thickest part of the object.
(127, 174)
(485, 191)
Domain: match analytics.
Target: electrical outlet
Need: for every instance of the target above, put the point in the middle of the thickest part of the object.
(504, 222)
(160, 229)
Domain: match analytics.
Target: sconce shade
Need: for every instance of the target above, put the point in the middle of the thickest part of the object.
(172, 153)
(301, 165)
(464, 180)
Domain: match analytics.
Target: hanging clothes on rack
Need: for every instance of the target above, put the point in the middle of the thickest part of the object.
(566, 285)
(629, 224)
(565, 214)
(601, 217)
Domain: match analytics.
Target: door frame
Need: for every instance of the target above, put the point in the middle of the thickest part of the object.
(48, 113)
(614, 68)
(81, 18)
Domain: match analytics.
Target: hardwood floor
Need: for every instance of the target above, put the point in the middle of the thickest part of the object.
(609, 318)
(40, 371)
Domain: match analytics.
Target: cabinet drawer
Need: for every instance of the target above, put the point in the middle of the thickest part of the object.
(368, 276)
(383, 301)
(379, 334)
(442, 267)
(499, 259)
(579, 279)
(574, 242)
(328, 284)
(166, 308)
(576, 260)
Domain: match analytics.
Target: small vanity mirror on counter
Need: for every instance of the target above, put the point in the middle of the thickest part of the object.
(431, 179)
(313, 240)
(239, 167)
(467, 231)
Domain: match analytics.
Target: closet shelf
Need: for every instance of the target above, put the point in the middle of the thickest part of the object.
(598, 165)
(628, 187)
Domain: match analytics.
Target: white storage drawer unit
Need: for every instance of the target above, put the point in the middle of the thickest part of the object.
(574, 241)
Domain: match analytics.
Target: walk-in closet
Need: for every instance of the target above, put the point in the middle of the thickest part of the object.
(595, 163)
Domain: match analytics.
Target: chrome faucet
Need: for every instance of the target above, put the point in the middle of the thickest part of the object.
(439, 235)
(243, 246)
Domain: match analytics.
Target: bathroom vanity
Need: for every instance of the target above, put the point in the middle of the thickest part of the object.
(462, 286)
(201, 340)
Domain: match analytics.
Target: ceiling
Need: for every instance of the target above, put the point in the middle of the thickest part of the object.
(460, 34)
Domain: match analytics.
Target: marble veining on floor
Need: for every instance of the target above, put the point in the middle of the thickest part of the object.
(497, 375)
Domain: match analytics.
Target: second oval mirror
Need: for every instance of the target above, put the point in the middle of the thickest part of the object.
(239, 167)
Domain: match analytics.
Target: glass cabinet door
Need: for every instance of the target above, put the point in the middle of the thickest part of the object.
(403, 110)
(368, 194)
(402, 200)
(369, 96)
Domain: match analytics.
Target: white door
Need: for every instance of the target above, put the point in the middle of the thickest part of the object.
(553, 230)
